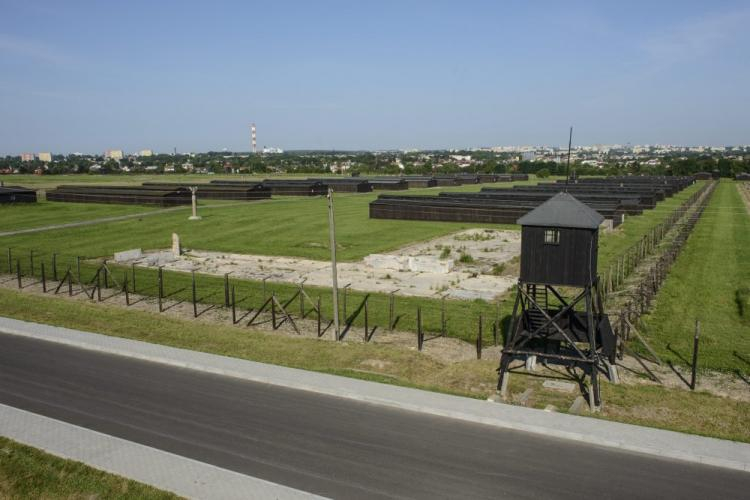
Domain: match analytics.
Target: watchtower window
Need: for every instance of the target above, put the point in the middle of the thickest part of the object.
(551, 236)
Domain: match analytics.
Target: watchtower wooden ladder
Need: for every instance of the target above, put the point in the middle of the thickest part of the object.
(536, 318)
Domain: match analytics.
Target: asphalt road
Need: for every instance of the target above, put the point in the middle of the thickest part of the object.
(329, 446)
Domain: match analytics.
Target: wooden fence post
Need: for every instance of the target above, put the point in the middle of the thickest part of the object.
(346, 287)
(194, 298)
(44, 279)
(125, 288)
(695, 354)
(54, 266)
(132, 272)
(18, 272)
(273, 310)
(318, 309)
(496, 330)
(367, 319)
(479, 338)
(443, 322)
(420, 336)
(234, 312)
(160, 291)
(301, 301)
(226, 289)
(391, 311)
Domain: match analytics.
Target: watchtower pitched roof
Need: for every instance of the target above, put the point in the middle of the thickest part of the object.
(563, 210)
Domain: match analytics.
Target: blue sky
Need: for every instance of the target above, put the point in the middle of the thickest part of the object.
(89, 76)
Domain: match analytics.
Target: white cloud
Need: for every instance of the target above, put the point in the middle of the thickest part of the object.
(696, 38)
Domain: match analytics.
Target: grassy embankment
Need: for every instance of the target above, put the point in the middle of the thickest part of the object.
(709, 282)
(27, 472)
(699, 413)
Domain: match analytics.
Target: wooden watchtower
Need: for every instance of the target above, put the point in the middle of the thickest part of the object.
(558, 314)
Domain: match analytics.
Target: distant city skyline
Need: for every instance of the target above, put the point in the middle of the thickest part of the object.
(383, 76)
(499, 148)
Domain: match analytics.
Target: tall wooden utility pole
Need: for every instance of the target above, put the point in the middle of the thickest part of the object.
(334, 276)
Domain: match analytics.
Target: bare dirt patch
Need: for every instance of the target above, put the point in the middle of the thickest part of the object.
(472, 264)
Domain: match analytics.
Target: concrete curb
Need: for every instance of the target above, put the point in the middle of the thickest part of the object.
(160, 469)
(655, 442)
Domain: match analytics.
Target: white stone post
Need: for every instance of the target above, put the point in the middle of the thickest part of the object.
(195, 215)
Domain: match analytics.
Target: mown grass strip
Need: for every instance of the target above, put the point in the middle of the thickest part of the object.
(709, 282)
(27, 472)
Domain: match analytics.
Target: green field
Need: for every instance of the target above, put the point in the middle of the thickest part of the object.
(709, 282)
(288, 226)
(284, 226)
(27, 472)
(45, 213)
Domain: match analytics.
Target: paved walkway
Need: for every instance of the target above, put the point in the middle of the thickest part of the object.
(650, 441)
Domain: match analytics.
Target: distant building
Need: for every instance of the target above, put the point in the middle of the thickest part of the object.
(592, 163)
(146, 152)
(114, 154)
(27, 156)
(45, 157)
(528, 156)
(272, 150)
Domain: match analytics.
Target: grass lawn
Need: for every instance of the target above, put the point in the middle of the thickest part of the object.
(294, 227)
(286, 226)
(47, 213)
(289, 226)
(27, 472)
(709, 282)
(698, 413)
